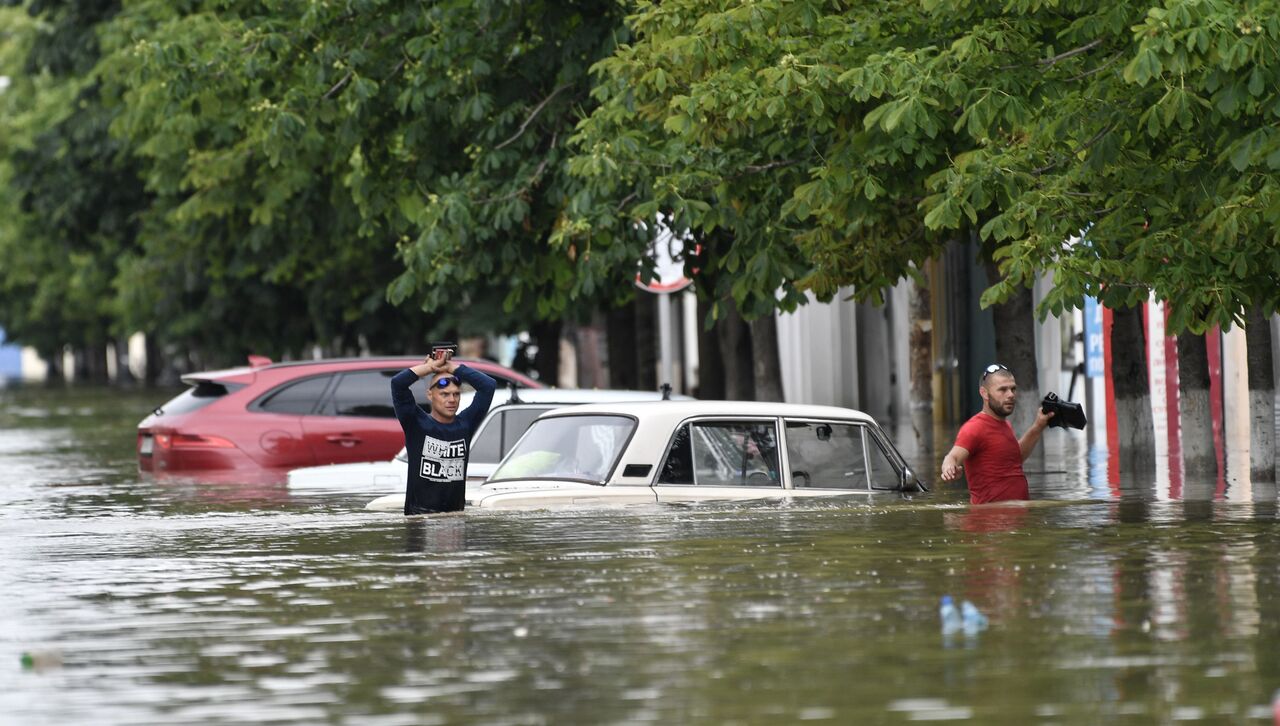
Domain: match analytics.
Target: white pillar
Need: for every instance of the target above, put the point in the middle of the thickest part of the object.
(1156, 383)
(692, 324)
(1235, 412)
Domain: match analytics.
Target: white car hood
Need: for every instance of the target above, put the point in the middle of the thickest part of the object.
(368, 476)
(534, 492)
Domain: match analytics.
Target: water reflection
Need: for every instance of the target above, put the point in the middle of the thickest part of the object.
(176, 601)
(437, 534)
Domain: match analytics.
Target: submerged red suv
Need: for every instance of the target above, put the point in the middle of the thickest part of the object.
(264, 419)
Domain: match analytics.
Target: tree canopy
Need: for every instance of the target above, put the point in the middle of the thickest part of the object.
(352, 153)
(885, 127)
(263, 176)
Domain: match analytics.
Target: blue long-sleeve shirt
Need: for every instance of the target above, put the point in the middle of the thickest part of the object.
(438, 452)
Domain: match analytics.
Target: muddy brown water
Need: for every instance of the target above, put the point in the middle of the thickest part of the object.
(136, 601)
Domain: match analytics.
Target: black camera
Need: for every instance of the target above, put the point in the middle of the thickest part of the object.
(1065, 413)
(438, 350)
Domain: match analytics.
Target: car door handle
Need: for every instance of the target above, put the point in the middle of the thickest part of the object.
(344, 439)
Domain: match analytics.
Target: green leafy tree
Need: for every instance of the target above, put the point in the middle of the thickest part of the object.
(879, 129)
(254, 242)
(504, 83)
(770, 121)
(76, 194)
(358, 162)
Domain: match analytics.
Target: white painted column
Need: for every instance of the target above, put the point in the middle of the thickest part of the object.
(692, 324)
(34, 368)
(1156, 381)
(900, 340)
(1048, 339)
(138, 355)
(790, 343)
(1235, 413)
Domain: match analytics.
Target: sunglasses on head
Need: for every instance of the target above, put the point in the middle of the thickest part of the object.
(446, 381)
(993, 368)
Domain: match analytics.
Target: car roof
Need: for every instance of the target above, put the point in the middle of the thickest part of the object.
(247, 373)
(502, 397)
(588, 395)
(691, 408)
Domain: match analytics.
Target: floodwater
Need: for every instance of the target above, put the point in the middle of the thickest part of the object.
(131, 601)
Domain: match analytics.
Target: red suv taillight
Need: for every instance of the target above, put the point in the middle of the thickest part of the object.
(192, 441)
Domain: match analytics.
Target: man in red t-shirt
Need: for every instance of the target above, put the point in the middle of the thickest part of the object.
(987, 444)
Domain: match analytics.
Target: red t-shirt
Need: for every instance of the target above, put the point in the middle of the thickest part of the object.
(994, 466)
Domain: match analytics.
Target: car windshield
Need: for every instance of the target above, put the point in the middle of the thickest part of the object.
(582, 448)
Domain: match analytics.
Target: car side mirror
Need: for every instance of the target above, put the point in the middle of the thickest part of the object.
(909, 481)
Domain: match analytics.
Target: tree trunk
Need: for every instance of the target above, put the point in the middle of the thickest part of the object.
(547, 360)
(1262, 397)
(646, 341)
(590, 368)
(1195, 420)
(124, 374)
(55, 374)
(91, 363)
(735, 344)
(766, 365)
(920, 346)
(1132, 390)
(710, 357)
(1014, 322)
(620, 333)
(154, 365)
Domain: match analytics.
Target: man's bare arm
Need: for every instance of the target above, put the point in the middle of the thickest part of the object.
(1032, 437)
(953, 463)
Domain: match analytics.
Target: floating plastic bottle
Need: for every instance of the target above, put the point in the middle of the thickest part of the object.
(971, 618)
(40, 660)
(952, 620)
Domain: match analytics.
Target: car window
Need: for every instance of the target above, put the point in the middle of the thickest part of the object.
(678, 468)
(198, 396)
(827, 455)
(486, 447)
(501, 431)
(723, 453)
(364, 393)
(516, 422)
(299, 397)
(582, 447)
(884, 474)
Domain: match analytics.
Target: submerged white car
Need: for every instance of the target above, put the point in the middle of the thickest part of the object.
(690, 451)
(509, 416)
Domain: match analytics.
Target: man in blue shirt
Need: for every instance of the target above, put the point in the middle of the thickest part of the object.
(439, 442)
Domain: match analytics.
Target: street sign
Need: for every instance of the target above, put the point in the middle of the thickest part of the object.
(1093, 351)
(669, 270)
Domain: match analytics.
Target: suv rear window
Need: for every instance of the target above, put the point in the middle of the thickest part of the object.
(198, 396)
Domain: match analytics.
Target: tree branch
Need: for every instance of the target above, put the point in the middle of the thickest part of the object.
(533, 114)
(757, 168)
(626, 200)
(337, 86)
(1084, 147)
(1073, 52)
(533, 178)
(343, 81)
(1105, 64)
